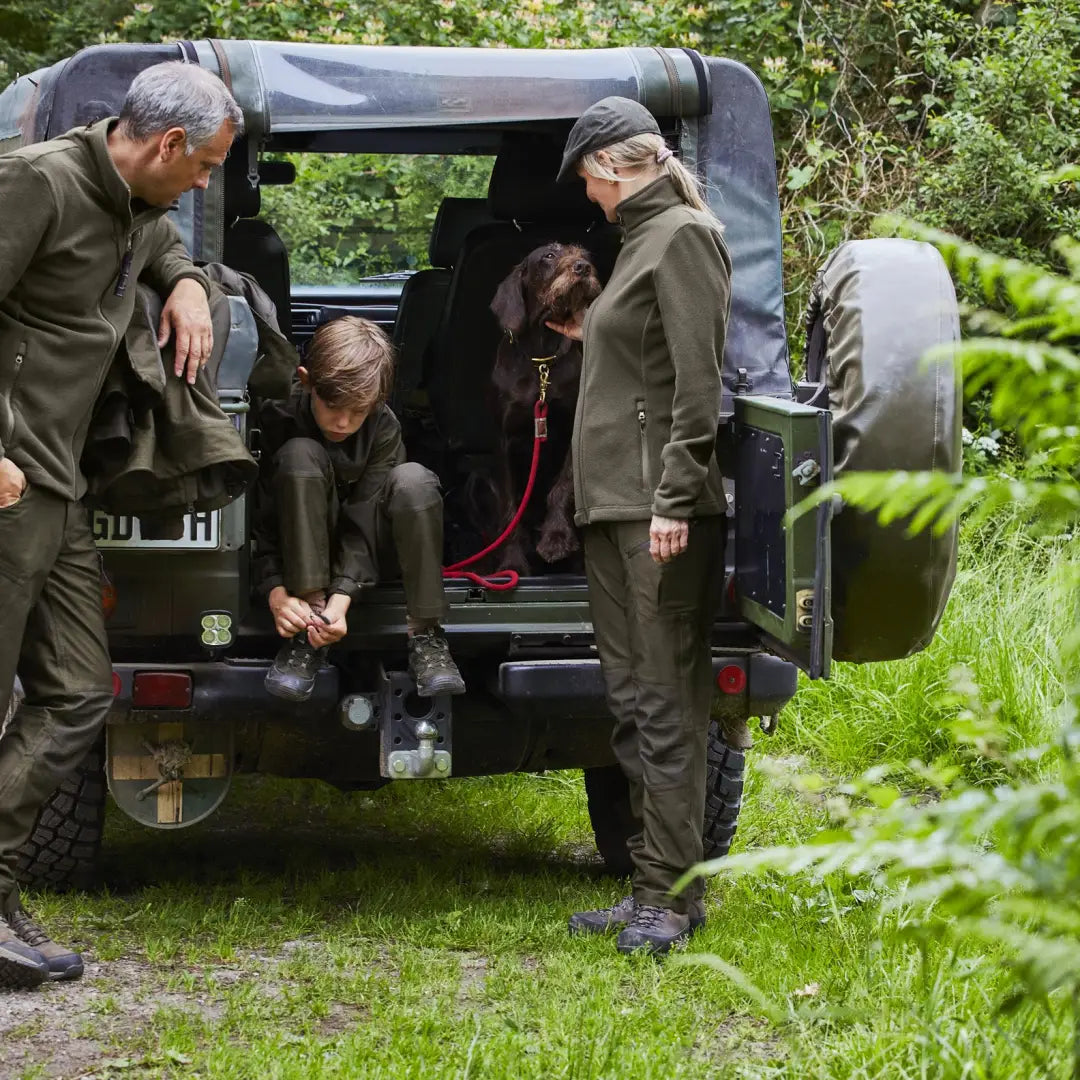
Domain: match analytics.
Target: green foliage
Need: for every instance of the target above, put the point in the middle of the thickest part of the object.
(364, 214)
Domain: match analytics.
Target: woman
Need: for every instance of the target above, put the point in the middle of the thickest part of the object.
(648, 494)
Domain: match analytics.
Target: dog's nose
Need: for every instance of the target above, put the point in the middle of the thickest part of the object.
(581, 267)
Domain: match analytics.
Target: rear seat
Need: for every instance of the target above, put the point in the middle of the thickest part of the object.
(424, 295)
(530, 209)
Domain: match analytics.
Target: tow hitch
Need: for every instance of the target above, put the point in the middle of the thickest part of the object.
(414, 732)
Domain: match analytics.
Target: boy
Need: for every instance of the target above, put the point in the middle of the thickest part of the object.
(340, 507)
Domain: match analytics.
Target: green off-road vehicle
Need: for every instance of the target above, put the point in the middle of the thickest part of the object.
(191, 644)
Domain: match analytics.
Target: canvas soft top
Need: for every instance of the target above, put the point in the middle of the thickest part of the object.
(327, 97)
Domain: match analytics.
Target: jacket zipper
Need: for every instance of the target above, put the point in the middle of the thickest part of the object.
(640, 405)
(7, 393)
(125, 267)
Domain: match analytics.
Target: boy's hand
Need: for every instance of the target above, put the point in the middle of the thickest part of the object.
(291, 614)
(331, 625)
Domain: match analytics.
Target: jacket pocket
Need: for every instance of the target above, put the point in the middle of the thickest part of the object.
(646, 478)
(9, 378)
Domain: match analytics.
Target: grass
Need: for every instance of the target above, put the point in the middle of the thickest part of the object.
(419, 931)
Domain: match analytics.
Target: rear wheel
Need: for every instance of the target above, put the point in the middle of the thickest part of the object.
(609, 805)
(63, 850)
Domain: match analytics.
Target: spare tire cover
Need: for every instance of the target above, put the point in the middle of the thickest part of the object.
(876, 307)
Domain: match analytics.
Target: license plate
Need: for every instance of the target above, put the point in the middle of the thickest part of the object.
(121, 531)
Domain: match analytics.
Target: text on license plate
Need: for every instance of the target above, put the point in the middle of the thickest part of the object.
(121, 531)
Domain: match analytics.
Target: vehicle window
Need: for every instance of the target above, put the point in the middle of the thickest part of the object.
(350, 216)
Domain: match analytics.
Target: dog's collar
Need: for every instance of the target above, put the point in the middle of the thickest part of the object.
(544, 359)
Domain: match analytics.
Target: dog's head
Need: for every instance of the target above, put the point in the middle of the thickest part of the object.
(553, 282)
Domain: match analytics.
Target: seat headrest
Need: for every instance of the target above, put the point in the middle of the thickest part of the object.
(454, 221)
(522, 186)
(241, 199)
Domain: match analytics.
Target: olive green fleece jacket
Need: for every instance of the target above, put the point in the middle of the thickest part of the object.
(649, 404)
(66, 226)
(362, 464)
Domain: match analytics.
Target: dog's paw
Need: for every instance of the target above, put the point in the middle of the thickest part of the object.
(557, 544)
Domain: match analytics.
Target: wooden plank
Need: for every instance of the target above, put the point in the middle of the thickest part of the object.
(170, 803)
(143, 767)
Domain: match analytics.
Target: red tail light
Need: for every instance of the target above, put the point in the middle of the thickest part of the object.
(731, 679)
(161, 690)
(117, 685)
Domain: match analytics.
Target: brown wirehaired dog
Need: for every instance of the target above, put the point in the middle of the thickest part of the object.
(554, 282)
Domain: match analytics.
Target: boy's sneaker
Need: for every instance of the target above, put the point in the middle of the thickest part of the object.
(603, 920)
(62, 963)
(431, 665)
(21, 966)
(293, 675)
(655, 930)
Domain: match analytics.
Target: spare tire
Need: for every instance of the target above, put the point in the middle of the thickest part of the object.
(876, 308)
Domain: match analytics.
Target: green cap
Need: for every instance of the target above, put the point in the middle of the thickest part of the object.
(609, 121)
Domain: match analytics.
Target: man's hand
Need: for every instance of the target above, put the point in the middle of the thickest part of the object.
(12, 483)
(291, 614)
(187, 313)
(667, 537)
(330, 625)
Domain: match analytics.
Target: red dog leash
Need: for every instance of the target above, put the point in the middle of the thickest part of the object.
(503, 580)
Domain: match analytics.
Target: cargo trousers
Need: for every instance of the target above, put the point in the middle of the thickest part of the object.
(52, 633)
(653, 626)
(402, 530)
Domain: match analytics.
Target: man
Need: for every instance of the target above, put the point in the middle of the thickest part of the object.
(83, 218)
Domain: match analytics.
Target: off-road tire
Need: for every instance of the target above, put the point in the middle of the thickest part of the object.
(62, 852)
(609, 805)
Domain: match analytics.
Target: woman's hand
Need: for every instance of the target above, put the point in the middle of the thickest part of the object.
(330, 625)
(667, 537)
(571, 329)
(291, 614)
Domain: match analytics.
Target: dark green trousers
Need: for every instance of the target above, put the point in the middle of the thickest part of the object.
(52, 633)
(653, 625)
(400, 531)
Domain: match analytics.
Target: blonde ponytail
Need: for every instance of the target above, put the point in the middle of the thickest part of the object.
(646, 154)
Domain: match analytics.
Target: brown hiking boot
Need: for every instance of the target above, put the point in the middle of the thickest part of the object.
(655, 930)
(603, 920)
(21, 965)
(62, 963)
(431, 665)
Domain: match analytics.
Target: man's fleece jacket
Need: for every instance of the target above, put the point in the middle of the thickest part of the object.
(67, 234)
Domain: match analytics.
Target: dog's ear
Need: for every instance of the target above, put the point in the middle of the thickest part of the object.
(509, 302)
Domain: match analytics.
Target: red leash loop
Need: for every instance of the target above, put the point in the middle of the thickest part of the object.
(502, 580)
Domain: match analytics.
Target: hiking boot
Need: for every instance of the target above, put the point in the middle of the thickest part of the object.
(62, 963)
(655, 930)
(293, 675)
(431, 665)
(21, 966)
(605, 919)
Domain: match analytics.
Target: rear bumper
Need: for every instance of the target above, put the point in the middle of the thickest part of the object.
(576, 687)
(232, 690)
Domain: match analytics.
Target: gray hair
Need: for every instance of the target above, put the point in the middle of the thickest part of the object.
(176, 94)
